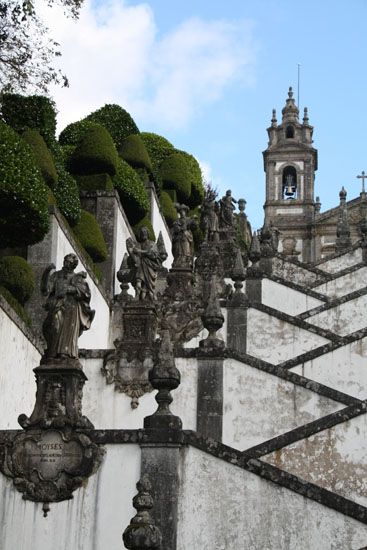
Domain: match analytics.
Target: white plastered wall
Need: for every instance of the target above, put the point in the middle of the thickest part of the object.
(17, 384)
(343, 369)
(159, 224)
(94, 519)
(286, 299)
(335, 459)
(122, 233)
(258, 406)
(342, 262)
(344, 285)
(223, 507)
(344, 318)
(274, 340)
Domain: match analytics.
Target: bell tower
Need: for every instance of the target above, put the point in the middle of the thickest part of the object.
(290, 163)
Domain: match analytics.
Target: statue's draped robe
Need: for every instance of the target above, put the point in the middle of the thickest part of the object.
(148, 263)
(69, 313)
(182, 243)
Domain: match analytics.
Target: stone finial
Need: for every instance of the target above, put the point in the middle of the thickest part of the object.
(212, 319)
(242, 205)
(161, 247)
(255, 250)
(238, 276)
(142, 534)
(305, 116)
(342, 195)
(343, 241)
(274, 121)
(164, 377)
(317, 205)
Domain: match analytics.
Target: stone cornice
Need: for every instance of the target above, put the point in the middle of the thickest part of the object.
(334, 276)
(333, 303)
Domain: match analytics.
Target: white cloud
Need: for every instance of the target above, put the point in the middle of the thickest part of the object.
(112, 55)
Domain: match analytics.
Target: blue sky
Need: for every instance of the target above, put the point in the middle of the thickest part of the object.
(206, 75)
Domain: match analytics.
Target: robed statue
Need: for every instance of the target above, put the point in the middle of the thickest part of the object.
(210, 216)
(143, 264)
(182, 238)
(227, 206)
(68, 309)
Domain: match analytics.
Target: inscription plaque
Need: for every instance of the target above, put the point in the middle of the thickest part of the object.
(48, 465)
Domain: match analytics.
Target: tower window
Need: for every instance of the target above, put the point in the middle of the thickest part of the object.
(289, 133)
(289, 183)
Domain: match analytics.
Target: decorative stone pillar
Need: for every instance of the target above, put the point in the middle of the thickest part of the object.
(237, 310)
(161, 452)
(210, 371)
(254, 273)
(142, 534)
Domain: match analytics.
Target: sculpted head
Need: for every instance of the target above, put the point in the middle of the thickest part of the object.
(144, 234)
(70, 262)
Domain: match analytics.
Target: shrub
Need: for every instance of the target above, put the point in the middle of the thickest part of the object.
(147, 223)
(132, 192)
(66, 152)
(158, 147)
(36, 112)
(116, 120)
(15, 305)
(196, 178)
(23, 193)
(175, 172)
(89, 234)
(95, 182)
(65, 190)
(42, 155)
(134, 152)
(75, 132)
(95, 154)
(16, 275)
(168, 210)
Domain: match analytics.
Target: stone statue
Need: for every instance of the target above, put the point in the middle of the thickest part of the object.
(182, 238)
(227, 207)
(210, 217)
(68, 309)
(145, 260)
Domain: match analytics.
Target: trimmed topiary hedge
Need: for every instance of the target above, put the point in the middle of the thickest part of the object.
(36, 112)
(95, 154)
(95, 182)
(168, 210)
(65, 190)
(23, 193)
(175, 172)
(196, 178)
(132, 192)
(75, 132)
(158, 147)
(116, 120)
(15, 305)
(147, 223)
(42, 155)
(134, 152)
(89, 234)
(16, 275)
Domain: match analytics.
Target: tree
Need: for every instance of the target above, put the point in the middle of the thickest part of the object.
(27, 52)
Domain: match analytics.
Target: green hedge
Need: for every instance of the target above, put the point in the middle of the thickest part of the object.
(196, 178)
(75, 132)
(66, 190)
(36, 112)
(95, 182)
(66, 152)
(89, 234)
(158, 147)
(147, 223)
(16, 275)
(134, 152)
(42, 155)
(168, 210)
(116, 120)
(95, 154)
(175, 172)
(15, 305)
(132, 192)
(24, 216)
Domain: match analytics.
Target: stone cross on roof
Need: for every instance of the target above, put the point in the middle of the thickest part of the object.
(363, 176)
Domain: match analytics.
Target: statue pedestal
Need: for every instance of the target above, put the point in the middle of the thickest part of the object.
(59, 396)
(128, 366)
(180, 282)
